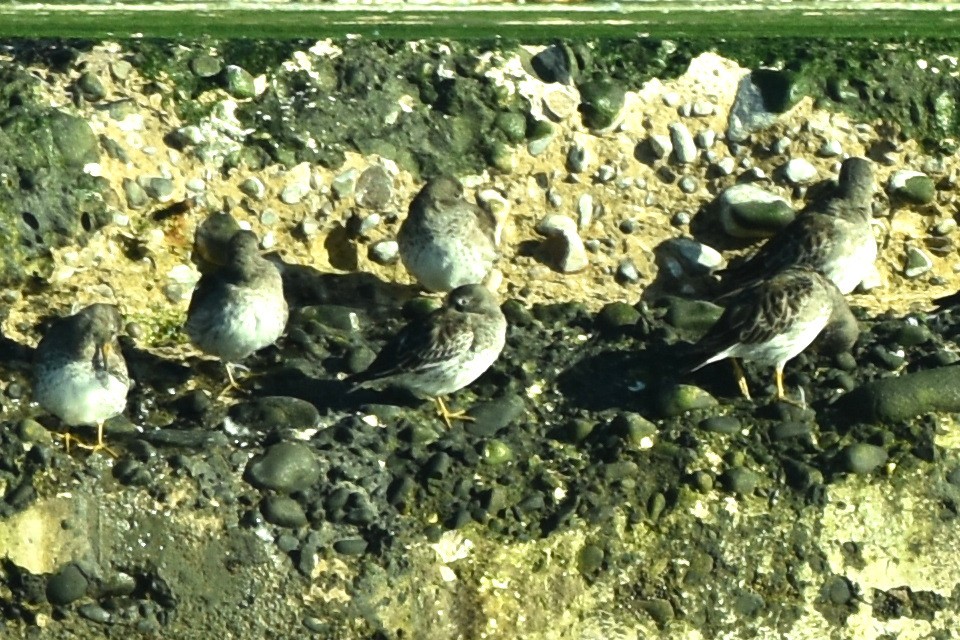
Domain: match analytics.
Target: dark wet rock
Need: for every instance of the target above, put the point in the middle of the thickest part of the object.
(374, 188)
(556, 63)
(790, 430)
(659, 609)
(601, 102)
(283, 511)
(492, 416)
(67, 585)
(206, 66)
(590, 559)
(862, 458)
(158, 188)
(695, 316)
(675, 400)
(739, 480)
(275, 413)
(721, 424)
(285, 467)
(540, 134)
(350, 546)
(95, 613)
(747, 211)
(616, 317)
(513, 126)
(905, 396)
(917, 262)
(627, 272)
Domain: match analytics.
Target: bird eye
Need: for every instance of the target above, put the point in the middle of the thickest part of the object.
(460, 304)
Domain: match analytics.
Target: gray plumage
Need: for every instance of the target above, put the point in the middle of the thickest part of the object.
(833, 237)
(239, 308)
(445, 241)
(79, 373)
(444, 351)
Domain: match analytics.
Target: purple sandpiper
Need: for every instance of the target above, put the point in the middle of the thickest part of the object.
(444, 351)
(445, 241)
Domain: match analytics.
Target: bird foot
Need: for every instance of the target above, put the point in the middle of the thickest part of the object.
(448, 416)
(91, 447)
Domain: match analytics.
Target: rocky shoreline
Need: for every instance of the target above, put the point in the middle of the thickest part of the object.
(597, 493)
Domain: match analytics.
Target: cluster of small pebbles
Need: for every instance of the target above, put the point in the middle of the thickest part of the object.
(594, 475)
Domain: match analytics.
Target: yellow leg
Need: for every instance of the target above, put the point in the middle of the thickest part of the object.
(233, 385)
(781, 394)
(741, 378)
(93, 448)
(446, 415)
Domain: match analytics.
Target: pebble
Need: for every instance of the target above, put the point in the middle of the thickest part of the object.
(561, 102)
(577, 159)
(606, 173)
(781, 145)
(912, 186)
(563, 244)
(94, 613)
(159, 188)
(385, 251)
(747, 211)
(294, 193)
(66, 585)
(706, 138)
(120, 69)
(702, 108)
(253, 187)
(830, 149)
(616, 316)
(660, 146)
(721, 424)
(283, 511)
(725, 166)
(862, 458)
(799, 171)
(196, 185)
(91, 86)
(695, 258)
(680, 219)
(627, 271)
(688, 184)
(684, 148)
(584, 211)
(350, 546)
(917, 262)
(205, 66)
(543, 134)
(374, 188)
(285, 467)
(675, 400)
(345, 183)
(739, 480)
(495, 415)
(905, 396)
(659, 609)
(240, 82)
(135, 195)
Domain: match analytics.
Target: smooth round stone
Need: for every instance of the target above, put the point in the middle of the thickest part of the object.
(691, 315)
(94, 613)
(294, 193)
(799, 171)
(563, 244)
(590, 559)
(836, 589)
(739, 480)
(659, 609)
(159, 188)
(790, 430)
(584, 210)
(721, 424)
(494, 415)
(66, 585)
(253, 187)
(497, 452)
(89, 83)
(912, 186)
(513, 125)
(688, 184)
(917, 263)
(204, 66)
(350, 546)
(615, 316)
(240, 82)
(283, 511)
(747, 211)
(694, 257)
(120, 69)
(679, 399)
(830, 149)
(32, 431)
(285, 467)
(627, 271)
(706, 139)
(275, 412)
(862, 458)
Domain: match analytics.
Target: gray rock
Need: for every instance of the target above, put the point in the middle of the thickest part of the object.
(675, 400)
(684, 148)
(493, 416)
(688, 184)
(917, 262)
(694, 258)
(385, 251)
(253, 187)
(158, 188)
(627, 271)
(274, 414)
(781, 145)
(345, 183)
(606, 173)
(374, 188)
(747, 211)
(830, 149)
(120, 69)
(739, 480)
(91, 86)
(240, 82)
(542, 135)
(284, 467)
(294, 193)
(584, 210)
(283, 511)
(702, 108)
(205, 66)
(135, 195)
(705, 139)
(912, 186)
(799, 171)
(721, 424)
(350, 546)
(563, 243)
(726, 165)
(67, 585)
(903, 397)
(660, 146)
(761, 96)
(576, 159)
(862, 458)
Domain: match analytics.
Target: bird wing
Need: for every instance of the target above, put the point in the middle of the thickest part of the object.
(419, 346)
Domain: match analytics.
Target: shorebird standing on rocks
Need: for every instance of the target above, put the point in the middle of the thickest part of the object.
(238, 308)
(833, 236)
(445, 241)
(79, 373)
(443, 351)
(773, 320)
